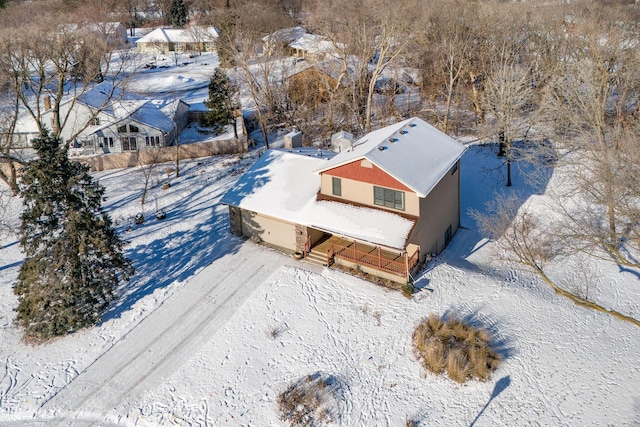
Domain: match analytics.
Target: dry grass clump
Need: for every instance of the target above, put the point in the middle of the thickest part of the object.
(454, 347)
(309, 401)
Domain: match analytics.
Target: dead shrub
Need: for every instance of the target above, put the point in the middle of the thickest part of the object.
(450, 345)
(309, 401)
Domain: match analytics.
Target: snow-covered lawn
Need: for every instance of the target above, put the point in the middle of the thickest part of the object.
(563, 365)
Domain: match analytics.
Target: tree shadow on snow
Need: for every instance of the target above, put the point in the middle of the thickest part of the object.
(482, 179)
(174, 258)
(178, 256)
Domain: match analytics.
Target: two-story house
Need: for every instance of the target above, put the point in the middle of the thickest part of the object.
(383, 204)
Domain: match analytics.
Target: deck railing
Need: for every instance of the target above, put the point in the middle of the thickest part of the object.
(401, 266)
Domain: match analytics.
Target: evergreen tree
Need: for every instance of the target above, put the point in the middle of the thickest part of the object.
(74, 258)
(220, 102)
(178, 13)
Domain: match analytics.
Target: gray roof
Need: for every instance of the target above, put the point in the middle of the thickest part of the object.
(413, 152)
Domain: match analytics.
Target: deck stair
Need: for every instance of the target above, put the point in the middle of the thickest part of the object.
(317, 256)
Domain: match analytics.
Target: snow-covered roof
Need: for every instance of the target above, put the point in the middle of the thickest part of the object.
(412, 151)
(282, 184)
(313, 44)
(285, 35)
(176, 35)
(155, 113)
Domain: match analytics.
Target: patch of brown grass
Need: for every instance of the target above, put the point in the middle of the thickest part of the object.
(454, 347)
(309, 401)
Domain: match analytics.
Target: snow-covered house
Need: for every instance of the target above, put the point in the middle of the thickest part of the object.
(282, 38)
(193, 39)
(112, 121)
(313, 46)
(384, 204)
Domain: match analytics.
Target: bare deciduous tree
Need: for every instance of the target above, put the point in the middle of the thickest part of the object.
(592, 108)
(522, 236)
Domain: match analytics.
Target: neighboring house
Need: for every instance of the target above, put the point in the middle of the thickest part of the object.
(281, 39)
(190, 39)
(313, 46)
(113, 122)
(384, 204)
(314, 84)
(148, 124)
(114, 33)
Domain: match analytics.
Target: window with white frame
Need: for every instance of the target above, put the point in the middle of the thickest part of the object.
(152, 141)
(129, 144)
(106, 141)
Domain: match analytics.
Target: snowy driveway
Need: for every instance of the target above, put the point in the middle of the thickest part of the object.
(162, 340)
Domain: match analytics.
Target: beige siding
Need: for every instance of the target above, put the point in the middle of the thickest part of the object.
(361, 192)
(438, 210)
(269, 230)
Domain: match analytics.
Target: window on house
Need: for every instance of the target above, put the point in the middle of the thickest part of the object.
(388, 197)
(152, 141)
(448, 234)
(107, 142)
(122, 129)
(129, 144)
(95, 121)
(133, 129)
(336, 186)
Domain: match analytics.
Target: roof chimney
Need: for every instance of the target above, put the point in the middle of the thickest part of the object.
(47, 103)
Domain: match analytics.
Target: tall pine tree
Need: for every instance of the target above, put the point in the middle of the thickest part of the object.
(220, 102)
(74, 258)
(178, 13)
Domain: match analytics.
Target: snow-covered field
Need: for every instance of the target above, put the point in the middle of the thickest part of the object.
(212, 328)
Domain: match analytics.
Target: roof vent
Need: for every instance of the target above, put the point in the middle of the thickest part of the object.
(393, 139)
(412, 125)
(382, 147)
(402, 132)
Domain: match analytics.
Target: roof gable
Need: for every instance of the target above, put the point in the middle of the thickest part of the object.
(415, 153)
(370, 174)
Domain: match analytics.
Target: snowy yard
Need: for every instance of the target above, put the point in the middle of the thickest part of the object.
(212, 328)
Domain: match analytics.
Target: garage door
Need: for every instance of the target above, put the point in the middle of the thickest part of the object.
(269, 230)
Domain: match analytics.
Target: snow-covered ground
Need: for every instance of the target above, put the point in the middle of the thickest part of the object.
(211, 328)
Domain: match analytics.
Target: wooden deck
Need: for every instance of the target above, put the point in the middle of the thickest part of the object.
(358, 252)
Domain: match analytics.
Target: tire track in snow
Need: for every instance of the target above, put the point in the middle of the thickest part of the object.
(166, 337)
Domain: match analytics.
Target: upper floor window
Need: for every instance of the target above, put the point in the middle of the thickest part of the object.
(95, 121)
(389, 198)
(132, 129)
(336, 186)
